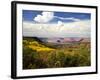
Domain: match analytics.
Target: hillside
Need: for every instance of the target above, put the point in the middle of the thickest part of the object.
(38, 54)
(35, 44)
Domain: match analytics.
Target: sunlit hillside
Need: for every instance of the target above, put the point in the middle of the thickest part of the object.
(34, 45)
(38, 54)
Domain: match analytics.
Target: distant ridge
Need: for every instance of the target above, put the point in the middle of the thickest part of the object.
(57, 40)
(33, 38)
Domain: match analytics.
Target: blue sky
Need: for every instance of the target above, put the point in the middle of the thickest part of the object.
(30, 15)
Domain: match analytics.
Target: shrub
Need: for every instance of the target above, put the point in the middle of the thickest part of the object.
(28, 57)
(31, 59)
(51, 60)
(61, 58)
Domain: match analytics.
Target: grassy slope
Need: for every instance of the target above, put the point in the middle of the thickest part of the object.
(63, 56)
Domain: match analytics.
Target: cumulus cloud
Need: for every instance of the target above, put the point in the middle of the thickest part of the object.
(44, 17)
(48, 16)
(60, 23)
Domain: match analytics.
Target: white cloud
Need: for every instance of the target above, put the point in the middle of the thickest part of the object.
(72, 29)
(60, 23)
(48, 16)
(70, 18)
(44, 17)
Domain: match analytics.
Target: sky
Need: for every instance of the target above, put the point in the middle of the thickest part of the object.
(30, 15)
(56, 24)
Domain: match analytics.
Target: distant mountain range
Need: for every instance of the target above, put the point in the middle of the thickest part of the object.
(65, 40)
(60, 40)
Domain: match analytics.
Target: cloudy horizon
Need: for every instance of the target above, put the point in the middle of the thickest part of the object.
(56, 24)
